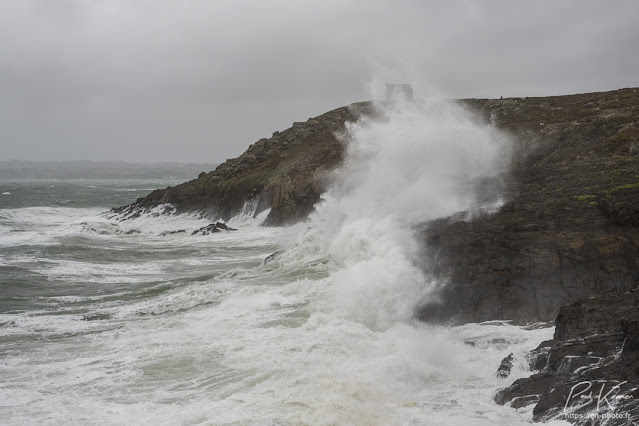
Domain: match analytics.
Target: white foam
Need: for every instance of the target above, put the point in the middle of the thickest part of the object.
(268, 353)
(250, 346)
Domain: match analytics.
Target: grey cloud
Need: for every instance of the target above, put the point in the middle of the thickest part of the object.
(198, 80)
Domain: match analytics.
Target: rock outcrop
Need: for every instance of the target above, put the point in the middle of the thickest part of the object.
(569, 225)
(505, 367)
(212, 229)
(287, 173)
(589, 372)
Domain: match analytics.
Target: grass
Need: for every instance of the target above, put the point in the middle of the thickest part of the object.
(626, 186)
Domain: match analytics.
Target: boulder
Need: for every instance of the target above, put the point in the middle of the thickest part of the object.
(505, 367)
(212, 229)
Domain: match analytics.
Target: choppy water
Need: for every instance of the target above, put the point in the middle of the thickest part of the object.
(107, 322)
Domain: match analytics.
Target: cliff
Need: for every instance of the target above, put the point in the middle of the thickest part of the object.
(287, 173)
(564, 245)
(570, 225)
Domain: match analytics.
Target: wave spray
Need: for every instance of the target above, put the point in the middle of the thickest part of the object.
(409, 163)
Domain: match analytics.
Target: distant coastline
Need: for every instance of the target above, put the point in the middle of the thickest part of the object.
(86, 169)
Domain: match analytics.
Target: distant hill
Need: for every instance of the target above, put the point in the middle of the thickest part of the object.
(100, 170)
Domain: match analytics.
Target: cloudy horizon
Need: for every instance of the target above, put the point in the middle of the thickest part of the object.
(196, 81)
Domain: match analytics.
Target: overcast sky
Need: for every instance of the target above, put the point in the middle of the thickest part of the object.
(160, 80)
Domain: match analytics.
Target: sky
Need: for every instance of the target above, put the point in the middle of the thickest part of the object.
(199, 81)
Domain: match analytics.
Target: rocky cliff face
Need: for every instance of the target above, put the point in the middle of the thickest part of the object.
(569, 225)
(287, 173)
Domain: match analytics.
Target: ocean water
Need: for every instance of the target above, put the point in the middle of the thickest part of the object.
(105, 321)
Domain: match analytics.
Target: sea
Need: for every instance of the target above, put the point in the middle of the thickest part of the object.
(110, 321)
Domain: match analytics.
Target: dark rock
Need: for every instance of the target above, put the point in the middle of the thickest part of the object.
(524, 401)
(529, 387)
(96, 317)
(272, 257)
(213, 228)
(223, 226)
(623, 208)
(505, 367)
(165, 233)
(590, 368)
(206, 230)
(539, 357)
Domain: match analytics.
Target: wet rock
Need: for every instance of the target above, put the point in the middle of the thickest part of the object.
(206, 230)
(272, 257)
(165, 233)
(212, 229)
(527, 389)
(590, 370)
(505, 367)
(223, 226)
(96, 317)
(623, 208)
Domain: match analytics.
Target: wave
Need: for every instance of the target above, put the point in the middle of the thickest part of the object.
(413, 163)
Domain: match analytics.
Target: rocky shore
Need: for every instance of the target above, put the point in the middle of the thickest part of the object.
(589, 373)
(563, 246)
